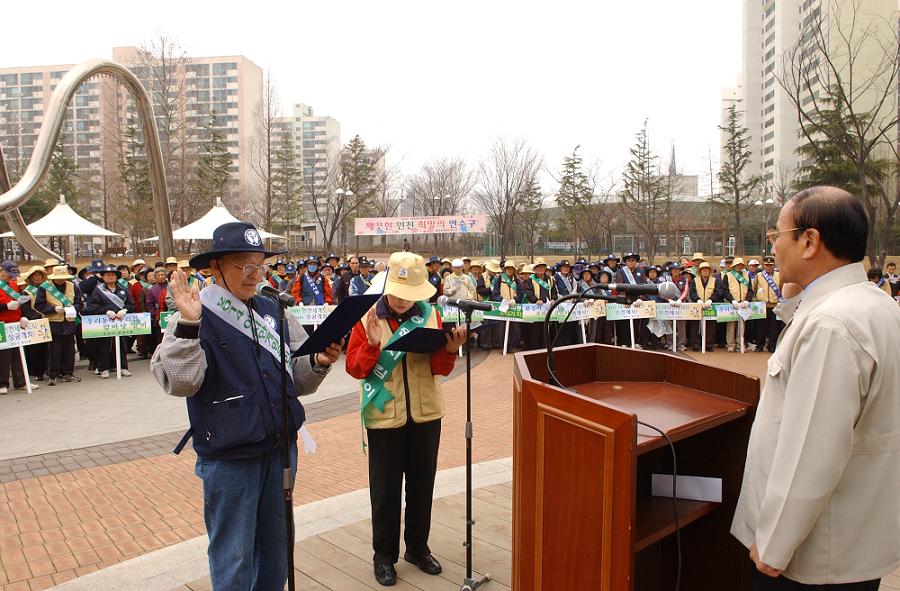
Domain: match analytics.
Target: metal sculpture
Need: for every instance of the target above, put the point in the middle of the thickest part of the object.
(11, 198)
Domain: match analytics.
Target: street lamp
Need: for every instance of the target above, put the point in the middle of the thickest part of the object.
(341, 193)
(765, 221)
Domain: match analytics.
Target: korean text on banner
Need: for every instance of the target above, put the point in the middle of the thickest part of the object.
(94, 327)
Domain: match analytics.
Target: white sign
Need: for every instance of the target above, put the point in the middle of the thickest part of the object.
(38, 331)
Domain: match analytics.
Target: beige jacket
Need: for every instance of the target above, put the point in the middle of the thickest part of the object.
(821, 490)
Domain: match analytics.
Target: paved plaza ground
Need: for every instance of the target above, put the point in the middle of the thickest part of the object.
(92, 498)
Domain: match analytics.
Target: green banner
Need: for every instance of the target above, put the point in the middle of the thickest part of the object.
(94, 327)
(164, 319)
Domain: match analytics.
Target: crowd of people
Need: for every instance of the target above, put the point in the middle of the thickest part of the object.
(62, 294)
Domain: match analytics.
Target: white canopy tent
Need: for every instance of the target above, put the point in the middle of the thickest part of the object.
(63, 221)
(203, 228)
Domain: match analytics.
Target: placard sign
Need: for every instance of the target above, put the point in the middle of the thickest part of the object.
(94, 327)
(38, 331)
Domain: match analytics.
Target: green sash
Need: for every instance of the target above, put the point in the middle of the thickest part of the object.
(373, 390)
(31, 289)
(122, 283)
(51, 288)
(740, 278)
(9, 290)
(540, 282)
(145, 285)
(512, 284)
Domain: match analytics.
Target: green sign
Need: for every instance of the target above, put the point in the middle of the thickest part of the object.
(94, 327)
(164, 319)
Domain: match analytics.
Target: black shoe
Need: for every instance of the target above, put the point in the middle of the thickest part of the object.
(51, 382)
(696, 348)
(386, 575)
(427, 565)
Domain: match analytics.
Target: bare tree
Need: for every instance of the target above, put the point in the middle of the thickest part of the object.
(263, 155)
(328, 201)
(162, 65)
(844, 95)
(506, 180)
(439, 188)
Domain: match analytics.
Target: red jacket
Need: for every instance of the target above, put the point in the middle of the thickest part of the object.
(361, 356)
(9, 315)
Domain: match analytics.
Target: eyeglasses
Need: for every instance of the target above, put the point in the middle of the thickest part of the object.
(773, 235)
(250, 268)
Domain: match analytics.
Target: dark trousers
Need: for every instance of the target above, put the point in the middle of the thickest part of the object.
(696, 335)
(62, 355)
(768, 328)
(10, 361)
(105, 353)
(603, 331)
(410, 451)
(761, 582)
(534, 335)
(623, 331)
(36, 356)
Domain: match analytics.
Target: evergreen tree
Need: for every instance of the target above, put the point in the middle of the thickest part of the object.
(212, 174)
(62, 179)
(575, 195)
(824, 163)
(645, 196)
(358, 175)
(135, 175)
(737, 190)
(288, 181)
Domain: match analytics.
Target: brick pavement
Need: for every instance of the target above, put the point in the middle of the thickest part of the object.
(55, 527)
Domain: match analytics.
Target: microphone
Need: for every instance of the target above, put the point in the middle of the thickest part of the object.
(267, 291)
(667, 290)
(464, 304)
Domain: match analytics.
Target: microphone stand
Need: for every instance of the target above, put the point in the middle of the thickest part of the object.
(469, 584)
(287, 474)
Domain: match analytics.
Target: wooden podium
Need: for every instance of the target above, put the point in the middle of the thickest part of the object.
(583, 515)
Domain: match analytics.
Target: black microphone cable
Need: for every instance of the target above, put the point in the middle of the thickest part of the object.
(552, 373)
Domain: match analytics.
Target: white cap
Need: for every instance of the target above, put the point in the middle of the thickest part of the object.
(456, 263)
(722, 263)
(753, 262)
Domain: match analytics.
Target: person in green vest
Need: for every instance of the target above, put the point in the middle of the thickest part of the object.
(738, 290)
(36, 354)
(402, 407)
(59, 299)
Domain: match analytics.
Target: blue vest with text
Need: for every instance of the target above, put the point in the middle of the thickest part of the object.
(236, 413)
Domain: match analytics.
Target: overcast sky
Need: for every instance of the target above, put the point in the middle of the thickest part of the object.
(433, 78)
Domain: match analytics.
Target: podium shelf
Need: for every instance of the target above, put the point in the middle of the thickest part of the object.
(656, 519)
(677, 410)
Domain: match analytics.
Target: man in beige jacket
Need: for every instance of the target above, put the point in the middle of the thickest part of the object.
(820, 501)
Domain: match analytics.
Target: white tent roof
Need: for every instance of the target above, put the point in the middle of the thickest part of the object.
(63, 221)
(203, 228)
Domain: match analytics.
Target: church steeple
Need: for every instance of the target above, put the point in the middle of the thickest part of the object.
(672, 169)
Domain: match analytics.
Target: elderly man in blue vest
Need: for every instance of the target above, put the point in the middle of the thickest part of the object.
(221, 352)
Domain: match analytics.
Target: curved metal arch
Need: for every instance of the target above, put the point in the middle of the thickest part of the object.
(11, 198)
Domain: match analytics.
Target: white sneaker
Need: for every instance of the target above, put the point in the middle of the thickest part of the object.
(33, 387)
(3, 390)
(126, 373)
(104, 374)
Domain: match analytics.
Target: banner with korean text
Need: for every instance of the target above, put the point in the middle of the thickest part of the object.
(438, 224)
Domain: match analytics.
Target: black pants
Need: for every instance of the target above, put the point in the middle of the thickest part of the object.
(36, 356)
(105, 353)
(697, 336)
(604, 330)
(761, 582)
(10, 361)
(623, 331)
(62, 355)
(533, 333)
(768, 328)
(409, 451)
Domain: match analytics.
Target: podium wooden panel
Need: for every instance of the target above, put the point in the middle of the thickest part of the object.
(583, 516)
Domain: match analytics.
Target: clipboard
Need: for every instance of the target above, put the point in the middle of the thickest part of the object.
(425, 340)
(338, 324)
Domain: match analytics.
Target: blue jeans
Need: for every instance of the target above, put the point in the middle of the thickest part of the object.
(243, 507)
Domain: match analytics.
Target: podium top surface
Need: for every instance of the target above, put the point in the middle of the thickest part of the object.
(678, 410)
